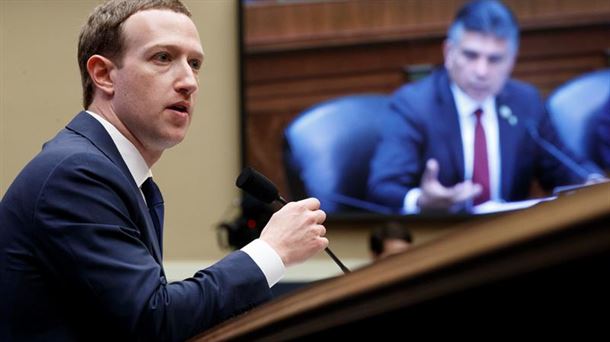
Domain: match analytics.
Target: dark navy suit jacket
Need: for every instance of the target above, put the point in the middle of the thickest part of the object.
(80, 260)
(424, 124)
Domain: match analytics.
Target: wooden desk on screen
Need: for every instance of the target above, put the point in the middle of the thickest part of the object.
(549, 261)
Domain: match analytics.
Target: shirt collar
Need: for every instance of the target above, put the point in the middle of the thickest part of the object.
(466, 105)
(133, 159)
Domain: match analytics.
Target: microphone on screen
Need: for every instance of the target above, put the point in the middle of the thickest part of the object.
(559, 155)
(359, 204)
(260, 187)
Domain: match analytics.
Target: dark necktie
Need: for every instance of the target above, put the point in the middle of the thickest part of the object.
(480, 171)
(154, 200)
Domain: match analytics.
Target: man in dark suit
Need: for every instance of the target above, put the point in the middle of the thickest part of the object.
(460, 135)
(81, 225)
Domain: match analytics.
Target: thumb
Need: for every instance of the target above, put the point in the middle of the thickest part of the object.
(431, 171)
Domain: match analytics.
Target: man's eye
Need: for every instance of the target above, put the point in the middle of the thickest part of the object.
(495, 59)
(162, 57)
(470, 55)
(195, 64)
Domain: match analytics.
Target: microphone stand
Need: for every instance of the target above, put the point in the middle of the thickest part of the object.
(557, 153)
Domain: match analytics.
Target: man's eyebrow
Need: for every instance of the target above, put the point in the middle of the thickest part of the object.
(173, 47)
(496, 56)
(470, 51)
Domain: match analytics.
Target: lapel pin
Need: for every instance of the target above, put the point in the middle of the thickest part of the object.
(505, 112)
(512, 120)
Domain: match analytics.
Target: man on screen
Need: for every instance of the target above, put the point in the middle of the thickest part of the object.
(460, 136)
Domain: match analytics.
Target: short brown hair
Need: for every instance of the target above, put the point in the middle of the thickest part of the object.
(102, 33)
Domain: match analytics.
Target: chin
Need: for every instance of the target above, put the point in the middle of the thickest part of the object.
(478, 95)
(172, 141)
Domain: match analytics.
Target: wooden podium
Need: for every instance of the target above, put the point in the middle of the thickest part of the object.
(545, 267)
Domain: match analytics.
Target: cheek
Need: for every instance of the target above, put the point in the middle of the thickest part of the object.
(461, 70)
(451, 62)
(502, 73)
(461, 66)
(128, 87)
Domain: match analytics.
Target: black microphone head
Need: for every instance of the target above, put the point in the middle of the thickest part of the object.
(257, 185)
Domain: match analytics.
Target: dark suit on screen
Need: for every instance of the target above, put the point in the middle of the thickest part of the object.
(80, 258)
(424, 124)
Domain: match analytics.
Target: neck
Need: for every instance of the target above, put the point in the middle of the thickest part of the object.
(151, 156)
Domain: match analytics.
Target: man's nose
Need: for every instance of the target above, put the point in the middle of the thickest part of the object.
(481, 67)
(186, 81)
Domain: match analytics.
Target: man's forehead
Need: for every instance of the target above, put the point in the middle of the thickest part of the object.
(481, 37)
(159, 24)
(483, 43)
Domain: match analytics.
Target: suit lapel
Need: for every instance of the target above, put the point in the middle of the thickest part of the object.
(507, 138)
(88, 127)
(448, 123)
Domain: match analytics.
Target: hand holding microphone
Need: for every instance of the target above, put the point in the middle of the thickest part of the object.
(295, 231)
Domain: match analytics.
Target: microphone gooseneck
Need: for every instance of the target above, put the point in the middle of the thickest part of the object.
(556, 152)
(260, 187)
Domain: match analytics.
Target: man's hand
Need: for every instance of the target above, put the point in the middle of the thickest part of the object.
(434, 196)
(296, 231)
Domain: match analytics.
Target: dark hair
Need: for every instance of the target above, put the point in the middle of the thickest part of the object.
(390, 230)
(488, 17)
(102, 33)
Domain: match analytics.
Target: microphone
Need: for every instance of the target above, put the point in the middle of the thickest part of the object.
(563, 158)
(260, 187)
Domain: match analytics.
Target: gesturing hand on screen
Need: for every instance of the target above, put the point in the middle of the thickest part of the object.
(435, 196)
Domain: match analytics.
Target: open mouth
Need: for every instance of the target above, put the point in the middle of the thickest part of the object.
(179, 108)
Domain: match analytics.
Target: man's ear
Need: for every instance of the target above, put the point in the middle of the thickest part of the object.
(99, 68)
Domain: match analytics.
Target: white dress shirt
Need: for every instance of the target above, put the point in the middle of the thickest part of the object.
(265, 257)
(466, 107)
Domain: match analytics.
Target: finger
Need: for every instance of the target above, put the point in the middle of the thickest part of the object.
(431, 171)
(477, 190)
(320, 216)
(310, 203)
(323, 241)
(321, 230)
(467, 191)
(459, 188)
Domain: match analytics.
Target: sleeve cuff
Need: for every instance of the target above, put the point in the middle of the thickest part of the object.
(267, 259)
(410, 201)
